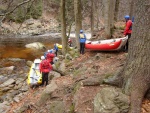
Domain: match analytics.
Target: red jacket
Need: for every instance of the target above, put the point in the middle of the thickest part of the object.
(50, 57)
(45, 66)
(128, 27)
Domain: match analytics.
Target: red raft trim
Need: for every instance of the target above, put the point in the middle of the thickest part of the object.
(103, 47)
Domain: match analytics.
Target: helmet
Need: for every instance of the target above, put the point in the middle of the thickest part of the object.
(51, 50)
(81, 31)
(127, 17)
(42, 57)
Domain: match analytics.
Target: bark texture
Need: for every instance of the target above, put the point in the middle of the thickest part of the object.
(109, 8)
(78, 20)
(137, 70)
(92, 17)
(63, 28)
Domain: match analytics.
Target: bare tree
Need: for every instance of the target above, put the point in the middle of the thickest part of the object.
(92, 17)
(18, 5)
(109, 7)
(116, 10)
(9, 11)
(131, 8)
(78, 19)
(63, 27)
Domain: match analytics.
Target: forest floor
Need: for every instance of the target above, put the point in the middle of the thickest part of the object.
(105, 66)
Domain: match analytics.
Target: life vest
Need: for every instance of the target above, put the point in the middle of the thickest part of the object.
(81, 36)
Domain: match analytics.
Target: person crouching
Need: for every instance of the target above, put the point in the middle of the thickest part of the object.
(45, 67)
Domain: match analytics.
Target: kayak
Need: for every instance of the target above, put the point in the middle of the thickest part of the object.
(60, 46)
(110, 46)
(34, 75)
(105, 44)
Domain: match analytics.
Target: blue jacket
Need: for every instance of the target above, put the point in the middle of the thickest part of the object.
(82, 38)
(55, 47)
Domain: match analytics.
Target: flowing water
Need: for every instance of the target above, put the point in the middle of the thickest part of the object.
(15, 48)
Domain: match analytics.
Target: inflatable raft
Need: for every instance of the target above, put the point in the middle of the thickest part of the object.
(106, 45)
(34, 75)
(110, 46)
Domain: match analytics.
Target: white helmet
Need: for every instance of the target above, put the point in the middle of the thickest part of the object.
(42, 57)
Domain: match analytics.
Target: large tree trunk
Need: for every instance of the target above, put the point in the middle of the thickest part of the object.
(116, 10)
(131, 8)
(78, 20)
(109, 7)
(136, 73)
(63, 28)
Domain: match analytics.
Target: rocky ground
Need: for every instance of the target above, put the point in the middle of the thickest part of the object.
(78, 91)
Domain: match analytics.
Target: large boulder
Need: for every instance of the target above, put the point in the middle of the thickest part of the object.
(35, 45)
(47, 93)
(111, 100)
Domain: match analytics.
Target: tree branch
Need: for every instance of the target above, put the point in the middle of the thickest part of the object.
(22, 3)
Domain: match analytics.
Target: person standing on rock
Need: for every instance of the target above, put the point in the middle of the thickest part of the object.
(50, 56)
(82, 38)
(45, 67)
(69, 42)
(127, 31)
(56, 49)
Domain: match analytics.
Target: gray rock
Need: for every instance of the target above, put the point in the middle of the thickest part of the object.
(92, 81)
(16, 99)
(111, 100)
(24, 88)
(7, 83)
(62, 66)
(35, 45)
(56, 107)
(53, 74)
(18, 86)
(29, 63)
(47, 93)
(19, 80)
(4, 107)
(10, 68)
(3, 79)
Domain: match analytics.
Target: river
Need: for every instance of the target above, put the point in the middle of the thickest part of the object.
(13, 46)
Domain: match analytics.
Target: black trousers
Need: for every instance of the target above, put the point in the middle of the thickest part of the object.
(45, 78)
(127, 44)
(56, 52)
(82, 46)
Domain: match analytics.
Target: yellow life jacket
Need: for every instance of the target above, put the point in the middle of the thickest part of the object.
(82, 36)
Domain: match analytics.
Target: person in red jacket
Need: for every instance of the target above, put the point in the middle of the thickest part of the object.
(69, 42)
(45, 67)
(50, 56)
(128, 30)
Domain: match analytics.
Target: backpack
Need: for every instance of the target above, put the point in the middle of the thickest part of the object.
(45, 64)
(132, 22)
